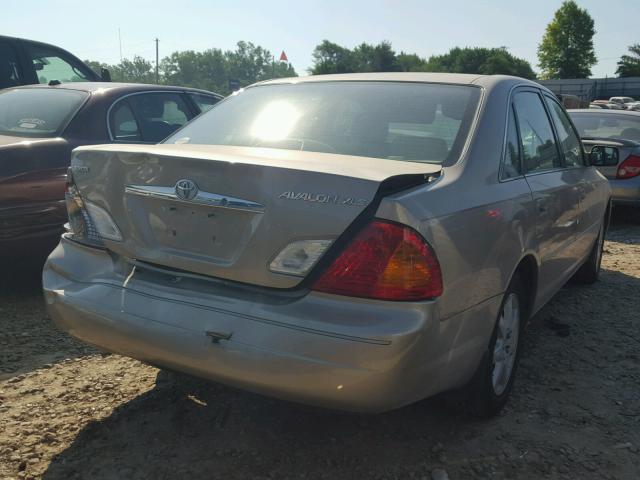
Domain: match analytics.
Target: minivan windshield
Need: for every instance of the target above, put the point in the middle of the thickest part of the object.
(420, 122)
(37, 112)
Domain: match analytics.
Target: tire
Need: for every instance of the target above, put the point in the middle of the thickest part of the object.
(488, 391)
(590, 270)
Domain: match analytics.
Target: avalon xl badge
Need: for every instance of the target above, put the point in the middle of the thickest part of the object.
(324, 198)
(186, 189)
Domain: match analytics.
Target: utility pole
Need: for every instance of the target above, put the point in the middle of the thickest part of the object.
(120, 42)
(157, 78)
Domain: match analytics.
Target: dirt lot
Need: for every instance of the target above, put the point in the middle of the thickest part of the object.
(67, 411)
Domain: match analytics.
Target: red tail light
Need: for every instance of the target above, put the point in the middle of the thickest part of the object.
(629, 168)
(386, 261)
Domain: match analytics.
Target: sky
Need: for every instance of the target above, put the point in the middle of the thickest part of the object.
(89, 28)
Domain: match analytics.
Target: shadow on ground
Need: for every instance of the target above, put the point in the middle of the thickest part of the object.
(187, 428)
(28, 338)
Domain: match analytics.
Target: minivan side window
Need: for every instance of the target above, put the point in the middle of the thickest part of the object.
(511, 167)
(9, 66)
(539, 149)
(570, 143)
(51, 64)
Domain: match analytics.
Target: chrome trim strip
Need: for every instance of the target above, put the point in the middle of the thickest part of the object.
(202, 198)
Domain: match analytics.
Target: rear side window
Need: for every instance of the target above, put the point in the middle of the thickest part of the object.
(38, 112)
(570, 144)
(9, 66)
(511, 167)
(51, 64)
(539, 149)
(124, 127)
(418, 122)
(159, 114)
(203, 102)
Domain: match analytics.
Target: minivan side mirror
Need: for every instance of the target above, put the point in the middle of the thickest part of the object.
(602, 156)
(105, 74)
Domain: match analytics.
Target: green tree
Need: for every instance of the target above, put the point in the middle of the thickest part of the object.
(137, 70)
(566, 50)
(329, 57)
(410, 62)
(206, 70)
(629, 65)
(249, 63)
(210, 69)
(482, 61)
(374, 58)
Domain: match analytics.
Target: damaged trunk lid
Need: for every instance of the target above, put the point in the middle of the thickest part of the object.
(227, 212)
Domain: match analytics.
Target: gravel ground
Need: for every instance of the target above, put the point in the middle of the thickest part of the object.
(67, 411)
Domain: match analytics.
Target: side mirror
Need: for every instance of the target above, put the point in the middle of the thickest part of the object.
(601, 156)
(105, 74)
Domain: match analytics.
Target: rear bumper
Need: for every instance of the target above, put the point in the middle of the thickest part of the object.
(625, 192)
(318, 349)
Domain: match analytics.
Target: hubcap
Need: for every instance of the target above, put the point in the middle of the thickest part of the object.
(504, 351)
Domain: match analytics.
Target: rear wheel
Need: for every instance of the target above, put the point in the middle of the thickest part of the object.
(489, 389)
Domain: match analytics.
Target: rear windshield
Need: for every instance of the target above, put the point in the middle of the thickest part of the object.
(37, 112)
(626, 127)
(392, 120)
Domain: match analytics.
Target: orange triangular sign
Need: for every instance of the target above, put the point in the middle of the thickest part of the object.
(283, 57)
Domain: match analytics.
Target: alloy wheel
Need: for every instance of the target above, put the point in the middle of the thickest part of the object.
(505, 348)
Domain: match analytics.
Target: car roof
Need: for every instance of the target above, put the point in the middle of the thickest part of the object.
(115, 87)
(486, 81)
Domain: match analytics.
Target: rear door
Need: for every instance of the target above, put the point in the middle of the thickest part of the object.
(556, 201)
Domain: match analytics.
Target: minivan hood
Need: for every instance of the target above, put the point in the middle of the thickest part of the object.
(251, 202)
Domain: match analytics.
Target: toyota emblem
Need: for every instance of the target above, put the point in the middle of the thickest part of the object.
(186, 189)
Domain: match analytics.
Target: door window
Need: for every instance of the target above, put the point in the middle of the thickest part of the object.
(124, 126)
(203, 102)
(539, 149)
(9, 66)
(511, 161)
(569, 141)
(159, 114)
(51, 64)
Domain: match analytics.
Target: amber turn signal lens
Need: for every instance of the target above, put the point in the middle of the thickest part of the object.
(386, 261)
